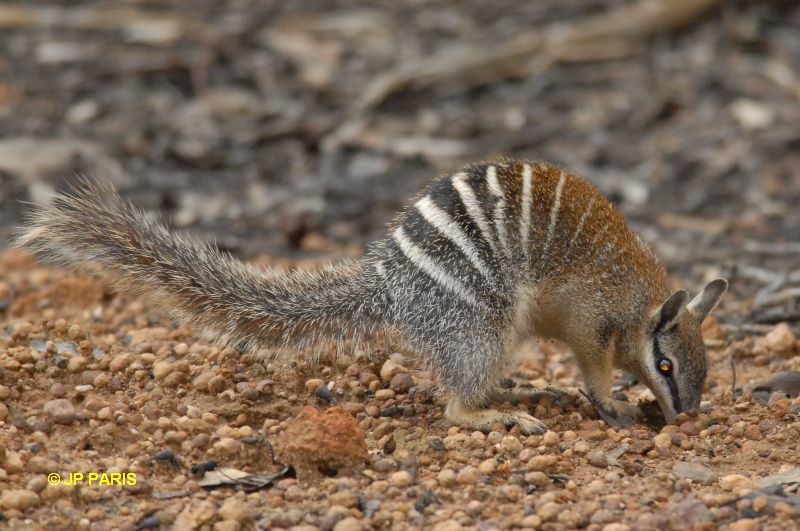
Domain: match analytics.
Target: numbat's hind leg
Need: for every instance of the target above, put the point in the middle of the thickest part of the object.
(482, 419)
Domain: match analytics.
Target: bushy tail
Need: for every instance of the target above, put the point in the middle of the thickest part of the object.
(237, 304)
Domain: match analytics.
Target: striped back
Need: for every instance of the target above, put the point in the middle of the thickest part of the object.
(479, 232)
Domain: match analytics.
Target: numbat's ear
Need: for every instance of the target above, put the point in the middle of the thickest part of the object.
(671, 311)
(708, 299)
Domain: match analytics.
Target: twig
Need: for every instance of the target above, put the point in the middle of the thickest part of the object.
(613, 34)
(752, 246)
(777, 298)
(733, 370)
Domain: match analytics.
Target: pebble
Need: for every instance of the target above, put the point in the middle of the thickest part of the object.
(401, 479)
(542, 462)
(780, 339)
(746, 524)
(60, 411)
(597, 458)
(446, 477)
(3, 411)
(694, 472)
(511, 444)
(447, 525)
(384, 394)
(468, 475)
(549, 511)
(19, 499)
(663, 440)
(348, 524)
(391, 368)
(313, 384)
(736, 481)
(401, 383)
(689, 514)
(488, 467)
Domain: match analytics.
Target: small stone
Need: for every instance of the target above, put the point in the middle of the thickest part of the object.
(313, 383)
(468, 475)
(401, 479)
(344, 498)
(227, 447)
(542, 462)
(663, 440)
(236, 510)
(488, 467)
(511, 444)
(446, 477)
(690, 514)
(76, 364)
(3, 411)
(217, 384)
(689, 428)
(533, 521)
(746, 524)
(537, 478)
(597, 458)
(389, 369)
(549, 511)
(401, 383)
(161, 369)
(550, 439)
(60, 411)
(348, 524)
(384, 394)
(694, 472)
(780, 339)
(119, 363)
(753, 432)
(19, 499)
(447, 525)
(735, 481)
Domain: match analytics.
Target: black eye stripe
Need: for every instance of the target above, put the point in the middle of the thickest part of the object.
(669, 377)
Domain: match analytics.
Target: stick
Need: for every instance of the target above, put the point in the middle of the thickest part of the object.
(610, 35)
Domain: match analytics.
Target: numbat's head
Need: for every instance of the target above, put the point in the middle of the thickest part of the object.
(675, 364)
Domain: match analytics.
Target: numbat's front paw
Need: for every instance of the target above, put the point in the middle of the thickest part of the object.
(616, 413)
(482, 419)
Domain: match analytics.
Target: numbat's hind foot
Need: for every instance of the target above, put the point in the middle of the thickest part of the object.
(482, 419)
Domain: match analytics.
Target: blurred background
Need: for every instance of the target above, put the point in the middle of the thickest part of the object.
(297, 129)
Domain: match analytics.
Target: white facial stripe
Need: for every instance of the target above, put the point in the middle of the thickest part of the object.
(442, 222)
(525, 217)
(499, 209)
(380, 269)
(429, 266)
(474, 210)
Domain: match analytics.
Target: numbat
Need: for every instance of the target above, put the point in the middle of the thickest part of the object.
(483, 259)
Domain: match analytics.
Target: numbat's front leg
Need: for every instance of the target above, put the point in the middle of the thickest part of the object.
(482, 419)
(514, 391)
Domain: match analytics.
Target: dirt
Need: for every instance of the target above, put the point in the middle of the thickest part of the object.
(236, 121)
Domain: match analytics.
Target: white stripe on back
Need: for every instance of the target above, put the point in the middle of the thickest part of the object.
(551, 229)
(474, 209)
(442, 222)
(499, 209)
(420, 259)
(582, 221)
(380, 269)
(525, 217)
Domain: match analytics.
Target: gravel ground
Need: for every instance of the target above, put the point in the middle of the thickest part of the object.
(235, 120)
(92, 381)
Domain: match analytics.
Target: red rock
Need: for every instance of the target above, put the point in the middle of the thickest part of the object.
(316, 442)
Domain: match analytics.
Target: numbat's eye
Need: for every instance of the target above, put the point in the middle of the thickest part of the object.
(665, 366)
